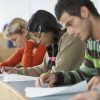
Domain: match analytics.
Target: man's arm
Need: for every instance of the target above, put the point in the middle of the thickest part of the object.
(69, 56)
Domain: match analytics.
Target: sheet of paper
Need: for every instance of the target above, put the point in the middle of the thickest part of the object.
(16, 77)
(38, 92)
(2, 75)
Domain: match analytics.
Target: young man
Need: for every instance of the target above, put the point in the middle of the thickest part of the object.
(82, 20)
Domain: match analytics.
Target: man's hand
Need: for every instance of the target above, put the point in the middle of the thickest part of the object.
(91, 95)
(49, 78)
(94, 82)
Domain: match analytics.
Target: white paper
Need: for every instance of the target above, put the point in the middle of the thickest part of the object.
(16, 77)
(2, 75)
(38, 92)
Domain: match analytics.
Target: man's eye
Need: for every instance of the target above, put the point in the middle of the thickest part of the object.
(69, 24)
(13, 39)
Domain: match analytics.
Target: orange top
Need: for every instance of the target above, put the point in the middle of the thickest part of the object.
(26, 56)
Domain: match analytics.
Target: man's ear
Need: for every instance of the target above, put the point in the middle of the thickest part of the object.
(84, 12)
(24, 32)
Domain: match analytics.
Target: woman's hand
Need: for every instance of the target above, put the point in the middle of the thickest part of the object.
(49, 78)
(8, 70)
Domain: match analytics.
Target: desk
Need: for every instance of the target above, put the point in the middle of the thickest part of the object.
(20, 86)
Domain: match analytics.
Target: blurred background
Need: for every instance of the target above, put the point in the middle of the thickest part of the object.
(10, 9)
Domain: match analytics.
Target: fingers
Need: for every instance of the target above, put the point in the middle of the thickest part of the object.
(1, 69)
(51, 81)
(95, 81)
(78, 97)
(90, 84)
(11, 71)
(91, 95)
(46, 78)
(41, 80)
(4, 69)
(8, 70)
(37, 83)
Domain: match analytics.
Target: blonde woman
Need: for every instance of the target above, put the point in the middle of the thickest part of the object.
(28, 52)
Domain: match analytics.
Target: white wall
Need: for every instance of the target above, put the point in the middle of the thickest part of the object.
(97, 4)
(10, 9)
(42, 4)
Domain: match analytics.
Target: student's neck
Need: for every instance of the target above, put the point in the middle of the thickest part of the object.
(96, 28)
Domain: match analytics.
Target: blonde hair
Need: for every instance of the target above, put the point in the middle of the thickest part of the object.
(15, 27)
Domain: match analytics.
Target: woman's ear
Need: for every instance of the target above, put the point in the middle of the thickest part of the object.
(24, 32)
(84, 12)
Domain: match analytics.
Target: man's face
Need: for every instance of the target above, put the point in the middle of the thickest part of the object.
(76, 26)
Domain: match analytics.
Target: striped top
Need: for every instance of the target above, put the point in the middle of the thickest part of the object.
(90, 66)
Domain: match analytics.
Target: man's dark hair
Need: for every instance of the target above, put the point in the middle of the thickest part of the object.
(73, 7)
